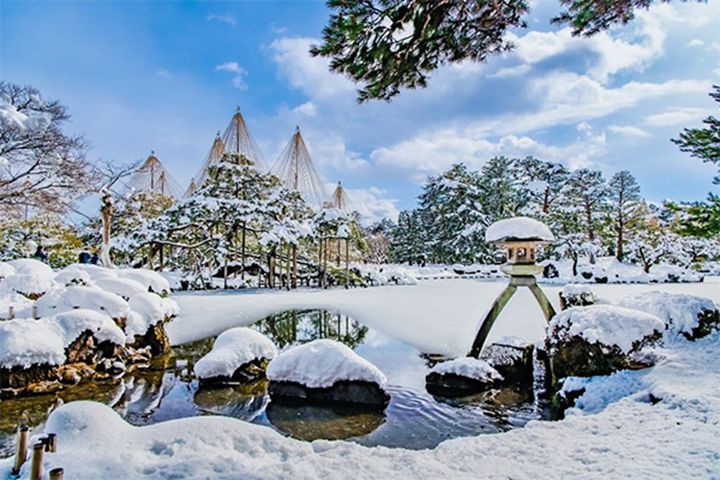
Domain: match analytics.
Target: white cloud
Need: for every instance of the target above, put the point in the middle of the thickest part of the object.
(695, 42)
(373, 204)
(508, 72)
(716, 72)
(629, 131)
(676, 116)
(307, 73)
(308, 109)
(227, 18)
(234, 67)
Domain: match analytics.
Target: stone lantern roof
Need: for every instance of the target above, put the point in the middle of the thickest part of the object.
(518, 229)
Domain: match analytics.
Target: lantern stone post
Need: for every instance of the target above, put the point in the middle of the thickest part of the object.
(519, 236)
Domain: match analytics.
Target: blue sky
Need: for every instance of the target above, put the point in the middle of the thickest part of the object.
(165, 76)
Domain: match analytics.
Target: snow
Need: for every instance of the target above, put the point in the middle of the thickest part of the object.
(614, 432)
(232, 349)
(29, 265)
(72, 276)
(147, 310)
(123, 287)
(607, 325)
(378, 275)
(678, 311)
(150, 279)
(6, 270)
(321, 363)
(93, 298)
(574, 290)
(25, 341)
(468, 367)
(28, 284)
(518, 228)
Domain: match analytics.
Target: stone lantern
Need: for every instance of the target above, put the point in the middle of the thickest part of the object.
(519, 237)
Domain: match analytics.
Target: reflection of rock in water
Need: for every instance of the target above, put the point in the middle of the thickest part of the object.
(300, 326)
(240, 401)
(497, 403)
(309, 423)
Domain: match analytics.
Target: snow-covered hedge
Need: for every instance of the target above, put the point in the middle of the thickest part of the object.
(322, 363)
(377, 275)
(232, 349)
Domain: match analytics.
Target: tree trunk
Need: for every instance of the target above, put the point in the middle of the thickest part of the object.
(295, 267)
(347, 263)
(242, 252)
(106, 211)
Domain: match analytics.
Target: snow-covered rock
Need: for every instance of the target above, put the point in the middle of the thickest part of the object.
(151, 280)
(689, 315)
(232, 350)
(576, 295)
(63, 299)
(25, 342)
(322, 363)
(470, 368)
(518, 228)
(599, 339)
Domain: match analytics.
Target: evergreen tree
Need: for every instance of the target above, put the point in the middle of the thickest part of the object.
(624, 205)
(585, 193)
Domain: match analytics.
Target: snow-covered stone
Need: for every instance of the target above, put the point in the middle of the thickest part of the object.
(599, 339)
(232, 350)
(63, 299)
(321, 363)
(689, 315)
(468, 367)
(576, 295)
(518, 228)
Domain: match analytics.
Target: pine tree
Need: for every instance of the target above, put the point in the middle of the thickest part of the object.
(624, 205)
(585, 192)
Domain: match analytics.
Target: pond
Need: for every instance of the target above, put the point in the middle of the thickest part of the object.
(414, 419)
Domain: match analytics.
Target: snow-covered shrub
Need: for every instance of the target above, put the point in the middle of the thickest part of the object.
(62, 299)
(689, 315)
(238, 354)
(599, 339)
(6, 270)
(151, 280)
(30, 265)
(31, 285)
(69, 277)
(123, 287)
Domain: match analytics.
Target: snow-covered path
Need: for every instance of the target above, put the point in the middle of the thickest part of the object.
(435, 316)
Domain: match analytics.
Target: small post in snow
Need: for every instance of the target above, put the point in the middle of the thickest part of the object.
(21, 450)
(519, 236)
(57, 474)
(36, 467)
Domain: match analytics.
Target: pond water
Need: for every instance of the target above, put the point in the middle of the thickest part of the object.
(414, 419)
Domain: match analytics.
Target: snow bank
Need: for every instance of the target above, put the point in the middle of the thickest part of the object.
(232, 349)
(605, 324)
(468, 367)
(518, 228)
(24, 341)
(680, 312)
(68, 298)
(321, 363)
(151, 280)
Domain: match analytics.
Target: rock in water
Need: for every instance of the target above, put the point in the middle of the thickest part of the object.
(326, 372)
(461, 377)
(238, 355)
(512, 358)
(599, 340)
(155, 337)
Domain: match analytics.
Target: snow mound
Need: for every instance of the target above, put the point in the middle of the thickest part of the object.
(148, 309)
(24, 341)
(680, 312)
(518, 228)
(379, 275)
(69, 298)
(574, 289)
(31, 284)
(607, 325)
(152, 281)
(6, 270)
(29, 266)
(232, 349)
(468, 367)
(322, 363)
(68, 277)
(124, 287)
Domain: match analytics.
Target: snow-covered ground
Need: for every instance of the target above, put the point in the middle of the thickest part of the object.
(618, 430)
(438, 316)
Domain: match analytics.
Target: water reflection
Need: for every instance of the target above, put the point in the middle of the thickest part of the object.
(166, 389)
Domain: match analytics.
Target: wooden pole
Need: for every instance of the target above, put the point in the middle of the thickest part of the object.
(21, 450)
(51, 443)
(11, 312)
(295, 267)
(287, 266)
(35, 312)
(36, 467)
(162, 257)
(225, 284)
(242, 253)
(347, 263)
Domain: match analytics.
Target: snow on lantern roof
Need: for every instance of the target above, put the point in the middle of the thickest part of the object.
(518, 228)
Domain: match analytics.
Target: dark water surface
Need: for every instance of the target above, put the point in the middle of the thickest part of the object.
(413, 419)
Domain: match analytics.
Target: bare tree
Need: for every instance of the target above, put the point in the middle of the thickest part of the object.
(40, 165)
